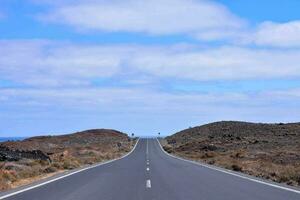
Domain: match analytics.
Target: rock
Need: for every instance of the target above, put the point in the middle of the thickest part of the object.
(209, 147)
(7, 154)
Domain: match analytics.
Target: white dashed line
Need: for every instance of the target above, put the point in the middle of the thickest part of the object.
(148, 183)
(147, 148)
(148, 169)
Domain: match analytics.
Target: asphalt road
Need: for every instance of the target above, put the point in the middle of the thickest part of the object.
(149, 173)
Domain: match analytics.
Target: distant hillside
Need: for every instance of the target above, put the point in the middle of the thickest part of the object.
(266, 150)
(53, 144)
(3, 139)
(32, 158)
(240, 129)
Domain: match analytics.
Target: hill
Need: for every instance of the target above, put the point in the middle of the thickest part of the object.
(24, 161)
(270, 151)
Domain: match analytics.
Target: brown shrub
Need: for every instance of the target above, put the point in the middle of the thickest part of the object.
(8, 176)
(50, 169)
(236, 167)
(70, 164)
(57, 165)
(289, 175)
(29, 172)
(209, 154)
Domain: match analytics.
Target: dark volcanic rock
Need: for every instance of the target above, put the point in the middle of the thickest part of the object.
(7, 154)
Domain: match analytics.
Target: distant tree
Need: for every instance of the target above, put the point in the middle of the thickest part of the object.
(132, 134)
(159, 133)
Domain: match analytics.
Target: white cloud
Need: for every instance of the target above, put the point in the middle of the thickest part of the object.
(131, 110)
(158, 17)
(120, 100)
(53, 64)
(101, 96)
(286, 94)
(231, 35)
(202, 19)
(49, 63)
(225, 63)
(278, 34)
(212, 106)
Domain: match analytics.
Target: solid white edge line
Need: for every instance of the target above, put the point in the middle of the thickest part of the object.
(229, 172)
(70, 174)
(148, 183)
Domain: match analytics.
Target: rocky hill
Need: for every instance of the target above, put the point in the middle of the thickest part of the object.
(30, 159)
(270, 151)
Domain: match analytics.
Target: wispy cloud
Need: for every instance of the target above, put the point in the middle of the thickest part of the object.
(141, 102)
(113, 98)
(154, 17)
(56, 64)
(52, 63)
(278, 34)
(204, 20)
(222, 63)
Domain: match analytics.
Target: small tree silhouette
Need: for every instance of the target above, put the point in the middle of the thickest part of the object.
(132, 134)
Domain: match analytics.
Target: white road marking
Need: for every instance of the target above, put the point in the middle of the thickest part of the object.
(230, 172)
(64, 176)
(147, 147)
(148, 183)
(147, 163)
(148, 169)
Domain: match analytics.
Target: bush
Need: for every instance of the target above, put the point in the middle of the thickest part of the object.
(168, 149)
(70, 164)
(290, 174)
(236, 167)
(56, 165)
(8, 176)
(209, 155)
(29, 173)
(50, 169)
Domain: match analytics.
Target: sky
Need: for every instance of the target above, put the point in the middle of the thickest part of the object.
(145, 67)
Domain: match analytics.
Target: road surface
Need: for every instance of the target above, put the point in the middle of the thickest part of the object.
(149, 173)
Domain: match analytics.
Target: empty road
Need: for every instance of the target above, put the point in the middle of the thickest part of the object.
(149, 173)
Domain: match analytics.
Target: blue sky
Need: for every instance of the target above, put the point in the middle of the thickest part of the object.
(146, 66)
